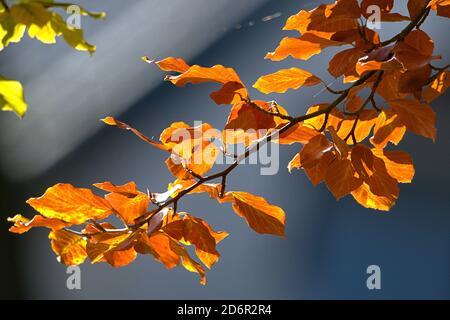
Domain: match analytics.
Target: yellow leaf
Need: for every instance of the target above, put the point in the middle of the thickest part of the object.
(11, 97)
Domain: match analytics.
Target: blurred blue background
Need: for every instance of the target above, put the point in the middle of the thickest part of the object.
(328, 244)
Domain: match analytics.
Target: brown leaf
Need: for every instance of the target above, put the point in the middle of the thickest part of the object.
(339, 145)
(415, 7)
(317, 173)
(341, 178)
(417, 117)
(343, 63)
(314, 150)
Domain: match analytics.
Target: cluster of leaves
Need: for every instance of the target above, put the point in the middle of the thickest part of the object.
(42, 22)
(389, 83)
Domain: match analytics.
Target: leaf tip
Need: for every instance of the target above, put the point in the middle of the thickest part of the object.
(147, 60)
(109, 121)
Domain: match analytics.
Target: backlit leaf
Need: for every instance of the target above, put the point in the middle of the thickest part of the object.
(285, 79)
(341, 178)
(70, 248)
(22, 224)
(260, 215)
(417, 117)
(11, 97)
(71, 204)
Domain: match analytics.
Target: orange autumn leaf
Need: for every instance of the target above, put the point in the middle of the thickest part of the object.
(301, 48)
(299, 133)
(441, 6)
(285, 79)
(372, 170)
(197, 74)
(197, 232)
(71, 204)
(339, 16)
(399, 164)
(232, 90)
(129, 208)
(191, 148)
(247, 122)
(334, 118)
(23, 224)
(188, 263)
(170, 64)
(363, 128)
(260, 215)
(437, 87)
(129, 188)
(158, 244)
(294, 163)
(388, 128)
(368, 199)
(69, 248)
(169, 252)
(116, 248)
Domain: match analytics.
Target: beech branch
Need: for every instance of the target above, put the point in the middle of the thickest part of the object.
(291, 122)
